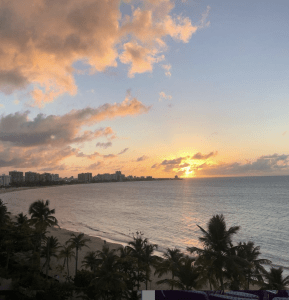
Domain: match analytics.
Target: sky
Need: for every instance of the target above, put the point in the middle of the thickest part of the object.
(149, 87)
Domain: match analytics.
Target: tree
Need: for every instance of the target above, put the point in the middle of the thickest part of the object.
(21, 219)
(41, 218)
(49, 250)
(128, 265)
(170, 263)
(217, 242)
(4, 214)
(136, 248)
(188, 274)
(109, 282)
(77, 242)
(254, 269)
(149, 260)
(67, 253)
(91, 261)
(275, 280)
(41, 215)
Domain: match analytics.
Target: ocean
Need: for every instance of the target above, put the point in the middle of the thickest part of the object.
(167, 212)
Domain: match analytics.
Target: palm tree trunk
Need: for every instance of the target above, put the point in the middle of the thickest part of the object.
(64, 261)
(221, 281)
(7, 261)
(67, 268)
(48, 257)
(172, 281)
(76, 258)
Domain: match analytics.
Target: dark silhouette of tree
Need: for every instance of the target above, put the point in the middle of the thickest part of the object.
(66, 253)
(254, 271)
(217, 242)
(49, 250)
(275, 280)
(170, 263)
(77, 242)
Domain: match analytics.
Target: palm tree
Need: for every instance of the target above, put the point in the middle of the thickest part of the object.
(91, 261)
(136, 249)
(49, 250)
(41, 215)
(109, 280)
(128, 265)
(170, 263)
(188, 274)
(77, 242)
(4, 214)
(149, 260)
(217, 242)
(275, 280)
(67, 253)
(21, 219)
(205, 264)
(255, 270)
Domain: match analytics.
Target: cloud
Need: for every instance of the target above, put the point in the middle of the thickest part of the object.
(2, 105)
(284, 133)
(142, 158)
(264, 165)
(41, 42)
(199, 155)
(16, 101)
(171, 164)
(108, 156)
(45, 141)
(164, 96)
(140, 58)
(53, 130)
(123, 151)
(95, 165)
(103, 145)
(167, 69)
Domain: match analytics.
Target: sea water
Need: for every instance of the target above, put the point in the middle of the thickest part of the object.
(168, 211)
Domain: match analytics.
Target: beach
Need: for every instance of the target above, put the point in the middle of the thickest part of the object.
(96, 243)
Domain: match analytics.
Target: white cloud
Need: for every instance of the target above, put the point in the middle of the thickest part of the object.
(163, 96)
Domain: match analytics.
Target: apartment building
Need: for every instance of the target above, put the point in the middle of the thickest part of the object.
(16, 177)
(5, 180)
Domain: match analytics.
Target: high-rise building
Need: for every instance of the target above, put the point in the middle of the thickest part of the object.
(16, 177)
(5, 180)
(85, 177)
(118, 175)
(55, 177)
(45, 177)
(31, 176)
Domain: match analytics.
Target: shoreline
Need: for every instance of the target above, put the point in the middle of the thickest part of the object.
(95, 244)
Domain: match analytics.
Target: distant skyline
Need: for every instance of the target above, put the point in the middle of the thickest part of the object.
(149, 87)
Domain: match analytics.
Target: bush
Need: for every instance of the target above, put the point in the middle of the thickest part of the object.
(83, 278)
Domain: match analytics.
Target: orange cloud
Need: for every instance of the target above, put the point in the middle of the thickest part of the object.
(41, 40)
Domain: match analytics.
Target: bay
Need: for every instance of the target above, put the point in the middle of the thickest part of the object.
(168, 211)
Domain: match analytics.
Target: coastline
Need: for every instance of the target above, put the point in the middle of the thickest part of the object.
(95, 244)
(15, 189)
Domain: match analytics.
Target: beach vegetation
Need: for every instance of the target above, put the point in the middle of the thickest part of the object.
(120, 273)
(217, 241)
(169, 264)
(66, 253)
(49, 250)
(77, 241)
(274, 280)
